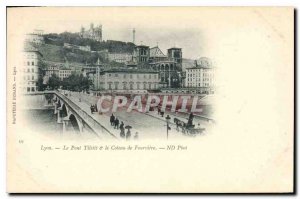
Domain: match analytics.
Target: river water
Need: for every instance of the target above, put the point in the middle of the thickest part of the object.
(44, 121)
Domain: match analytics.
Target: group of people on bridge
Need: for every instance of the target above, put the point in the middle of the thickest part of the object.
(117, 124)
(93, 108)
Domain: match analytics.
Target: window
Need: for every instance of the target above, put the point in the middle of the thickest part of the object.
(28, 70)
(125, 85)
(28, 64)
(32, 89)
(149, 76)
(32, 63)
(109, 75)
(116, 85)
(124, 76)
(28, 89)
(130, 76)
(32, 77)
(131, 86)
(32, 70)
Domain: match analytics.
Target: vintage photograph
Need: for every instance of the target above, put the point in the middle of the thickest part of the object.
(137, 83)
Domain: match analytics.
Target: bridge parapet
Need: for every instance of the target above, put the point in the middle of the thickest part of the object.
(86, 119)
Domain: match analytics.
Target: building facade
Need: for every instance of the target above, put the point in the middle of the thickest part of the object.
(201, 77)
(94, 33)
(141, 54)
(30, 69)
(176, 55)
(34, 38)
(168, 68)
(64, 73)
(52, 70)
(128, 80)
(120, 57)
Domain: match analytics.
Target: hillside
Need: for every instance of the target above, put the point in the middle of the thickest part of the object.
(75, 39)
(56, 53)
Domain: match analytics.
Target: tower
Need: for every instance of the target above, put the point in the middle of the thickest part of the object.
(176, 55)
(133, 36)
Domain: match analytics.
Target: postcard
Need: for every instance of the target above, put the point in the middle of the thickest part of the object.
(150, 100)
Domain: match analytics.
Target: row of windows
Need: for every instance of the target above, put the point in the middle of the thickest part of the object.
(30, 56)
(149, 76)
(63, 71)
(28, 70)
(198, 74)
(28, 77)
(29, 63)
(199, 79)
(139, 85)
(199, 84)
(64, 75)
(31, 89)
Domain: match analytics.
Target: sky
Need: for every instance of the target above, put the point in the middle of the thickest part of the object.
(190, 40)
(167, 27)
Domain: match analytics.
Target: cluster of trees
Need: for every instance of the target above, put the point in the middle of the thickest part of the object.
(74, 82)
(76, 39)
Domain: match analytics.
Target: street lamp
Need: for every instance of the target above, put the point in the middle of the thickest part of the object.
(168, 128)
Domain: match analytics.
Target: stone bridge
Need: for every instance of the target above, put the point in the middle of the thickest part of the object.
(68, 112)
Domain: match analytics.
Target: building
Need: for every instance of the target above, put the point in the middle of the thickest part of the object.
(141, 54)
(157, 55)
(75, 47)
(168, 68)
(61, 70)
(64, 73)
(120, 57)
(52, 70)
(128, 80)
(94, 33)
(35, 37)
(31, 69)
(201, 76)
(176, 55)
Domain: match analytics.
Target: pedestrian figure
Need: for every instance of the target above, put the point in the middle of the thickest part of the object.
(136, 136)
(158, 110)
(122, 133)
(116, 123)
(128, 134)
(95, 108)
(92, 109)
(177, 125)
(112, 119)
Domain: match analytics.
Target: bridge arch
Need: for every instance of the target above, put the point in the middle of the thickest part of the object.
(75, 123)
(64, 110)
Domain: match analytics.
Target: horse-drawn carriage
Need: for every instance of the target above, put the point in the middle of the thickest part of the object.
(187, 128)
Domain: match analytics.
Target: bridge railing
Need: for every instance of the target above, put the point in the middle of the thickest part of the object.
(91, 122)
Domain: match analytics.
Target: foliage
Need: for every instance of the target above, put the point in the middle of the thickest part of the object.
(77, 83)
(40, 85)
(74, 82)
(54, 82)
(76, 39)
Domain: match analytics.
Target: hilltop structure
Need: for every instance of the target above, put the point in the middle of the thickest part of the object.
(94, 33)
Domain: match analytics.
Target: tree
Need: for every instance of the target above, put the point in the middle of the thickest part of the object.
(40, 84)
(54, 82)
